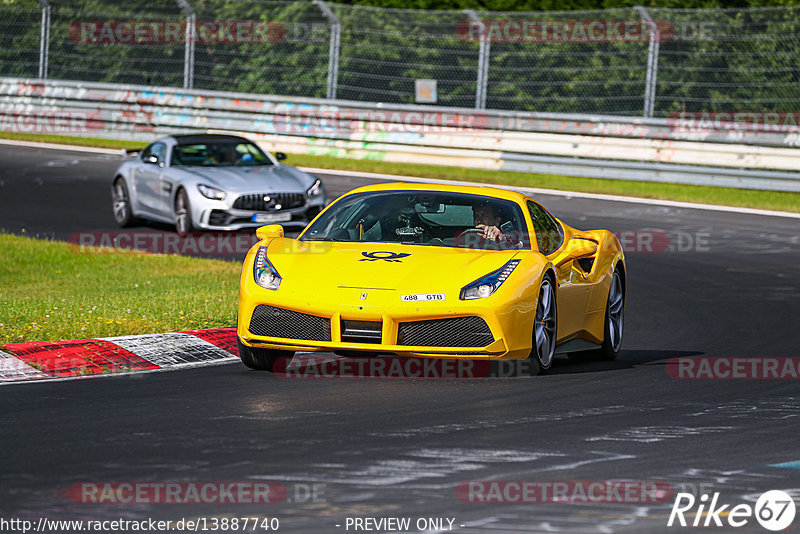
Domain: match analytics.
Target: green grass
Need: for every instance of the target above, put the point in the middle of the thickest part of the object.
(725, 196)
(56, 291)
(70, 140)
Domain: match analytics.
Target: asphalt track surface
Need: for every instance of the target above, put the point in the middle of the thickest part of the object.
(400, 447)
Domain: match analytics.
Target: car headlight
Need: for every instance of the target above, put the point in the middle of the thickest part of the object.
(264, 273)
(315, 190)
(488, 284)
(211, 192)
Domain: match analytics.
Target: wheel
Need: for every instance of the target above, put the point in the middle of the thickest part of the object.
(544, 329)
(183, 214)
(261, 359)
(121, 203)
(615, 310)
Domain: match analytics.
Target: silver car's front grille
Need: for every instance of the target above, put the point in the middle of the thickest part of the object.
(270, 201)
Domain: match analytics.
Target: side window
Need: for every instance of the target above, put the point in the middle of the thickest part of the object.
(144, 154)
(548, 231)
(159, 150)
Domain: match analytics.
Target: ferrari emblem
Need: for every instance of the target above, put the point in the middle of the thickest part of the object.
(363, 296)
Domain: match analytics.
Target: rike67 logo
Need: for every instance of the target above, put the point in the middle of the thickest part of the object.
(774, 510)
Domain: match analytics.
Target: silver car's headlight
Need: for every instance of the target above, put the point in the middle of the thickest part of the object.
(264, 273)
(211, 192)
(315, 190)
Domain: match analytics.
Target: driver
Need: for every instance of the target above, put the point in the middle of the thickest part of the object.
(488, 220)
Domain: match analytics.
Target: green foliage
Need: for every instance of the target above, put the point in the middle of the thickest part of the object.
(563, 5)
(729, 59)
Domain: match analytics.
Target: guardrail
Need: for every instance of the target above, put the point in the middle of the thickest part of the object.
(594, 146)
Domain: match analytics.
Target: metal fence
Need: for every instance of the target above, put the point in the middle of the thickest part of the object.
(628, 62)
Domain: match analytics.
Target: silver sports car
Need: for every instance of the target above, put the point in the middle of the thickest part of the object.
(213, 182)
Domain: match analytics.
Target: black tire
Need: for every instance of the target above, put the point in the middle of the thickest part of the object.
(614, 321)
(183, 214)
(545, 329)
(261, 359)
(121, 204)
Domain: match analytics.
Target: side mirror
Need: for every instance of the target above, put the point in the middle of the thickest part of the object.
(577, 248)
(153, 160)
(280, 156)
(270, 231)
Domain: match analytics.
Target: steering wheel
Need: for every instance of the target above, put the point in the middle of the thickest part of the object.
(474, 238)
(469, 231)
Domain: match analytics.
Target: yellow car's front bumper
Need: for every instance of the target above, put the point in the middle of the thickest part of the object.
(504, 331)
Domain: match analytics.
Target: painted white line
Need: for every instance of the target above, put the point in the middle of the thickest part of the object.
(567, 194)
(532, 190)
(54, 146)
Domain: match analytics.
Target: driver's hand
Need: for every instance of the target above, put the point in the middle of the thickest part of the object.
(490, 232)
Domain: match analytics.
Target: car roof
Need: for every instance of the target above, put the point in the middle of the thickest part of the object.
(482, 190)
(192, 139)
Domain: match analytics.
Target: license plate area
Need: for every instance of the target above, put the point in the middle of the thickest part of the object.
(271, 217)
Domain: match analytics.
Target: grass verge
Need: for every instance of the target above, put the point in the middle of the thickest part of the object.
(56, 291)
(725, 196)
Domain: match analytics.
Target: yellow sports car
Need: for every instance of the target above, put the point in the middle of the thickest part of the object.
(431, 270)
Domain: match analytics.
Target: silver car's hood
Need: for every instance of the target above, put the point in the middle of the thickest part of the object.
(262, 179)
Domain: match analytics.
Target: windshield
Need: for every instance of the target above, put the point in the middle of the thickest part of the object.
(219, 154)
(434, 218)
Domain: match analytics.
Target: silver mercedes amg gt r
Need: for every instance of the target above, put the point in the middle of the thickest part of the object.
(213, 182)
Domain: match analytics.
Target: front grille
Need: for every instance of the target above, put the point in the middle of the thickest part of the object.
(270, 201)
(361, 331)
(456, 332)
(277, 322)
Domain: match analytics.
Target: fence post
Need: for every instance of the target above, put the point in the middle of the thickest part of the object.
(652, 63)
(44, 39)
(188, 49)
(333, 49)
(484, 50)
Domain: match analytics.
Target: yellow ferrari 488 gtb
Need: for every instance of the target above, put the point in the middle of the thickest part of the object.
(431, 270)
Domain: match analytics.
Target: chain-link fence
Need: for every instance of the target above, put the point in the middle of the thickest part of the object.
(631, 62)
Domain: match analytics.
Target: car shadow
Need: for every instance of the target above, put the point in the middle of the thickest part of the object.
(627, 359)
(327, 365)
